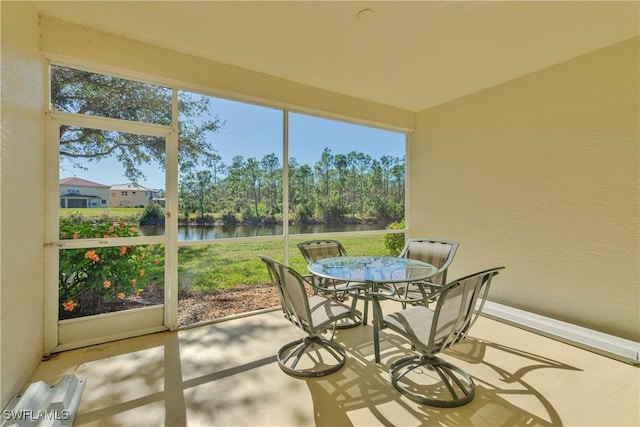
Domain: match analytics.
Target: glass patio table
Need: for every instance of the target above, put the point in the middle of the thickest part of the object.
(371, 273)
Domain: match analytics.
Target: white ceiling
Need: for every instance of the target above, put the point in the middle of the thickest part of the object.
(411, 55)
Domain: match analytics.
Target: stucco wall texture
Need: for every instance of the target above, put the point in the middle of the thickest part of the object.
(540, 174)
(22, 197)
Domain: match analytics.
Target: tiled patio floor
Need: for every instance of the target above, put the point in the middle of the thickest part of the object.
(225, 374)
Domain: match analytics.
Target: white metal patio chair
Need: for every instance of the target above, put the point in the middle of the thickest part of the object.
(314, 250)
(313, 355)
(436, 252)
(427, 378)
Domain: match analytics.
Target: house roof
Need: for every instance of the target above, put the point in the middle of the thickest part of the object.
(79, 182)
(409, 54)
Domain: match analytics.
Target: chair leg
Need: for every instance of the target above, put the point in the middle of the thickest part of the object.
(316, 355)
(355, 319)
(366, 310)
(349, 322)
(432, 381)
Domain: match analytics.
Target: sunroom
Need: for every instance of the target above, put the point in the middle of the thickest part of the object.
(521, 123)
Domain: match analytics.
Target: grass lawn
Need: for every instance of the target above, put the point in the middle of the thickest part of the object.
(224, 265)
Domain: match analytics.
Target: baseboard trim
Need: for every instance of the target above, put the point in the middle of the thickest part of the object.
(607, 345)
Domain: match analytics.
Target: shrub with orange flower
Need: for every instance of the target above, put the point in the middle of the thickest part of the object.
(69, 305)
(91, 276)
(92, 256)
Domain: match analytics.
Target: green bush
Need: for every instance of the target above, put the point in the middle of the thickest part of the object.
(385, 209)
(229, 218)
(88, 277)
(152, 214)
(304, 212)
(394, 242)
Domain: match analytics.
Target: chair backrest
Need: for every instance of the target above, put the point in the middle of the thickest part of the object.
(454, 312)
(291, 291)
(313, 250)
(481, 293)
(438, 253)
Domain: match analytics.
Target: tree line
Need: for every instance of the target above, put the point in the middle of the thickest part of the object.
(352, 187)
(337, 188)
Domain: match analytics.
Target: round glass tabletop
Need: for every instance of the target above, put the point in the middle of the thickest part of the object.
(375, 269)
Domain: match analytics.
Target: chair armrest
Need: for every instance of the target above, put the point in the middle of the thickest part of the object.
(394, 297)
(324, 285)
(428, 292)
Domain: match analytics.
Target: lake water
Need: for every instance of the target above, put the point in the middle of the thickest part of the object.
(222, 232)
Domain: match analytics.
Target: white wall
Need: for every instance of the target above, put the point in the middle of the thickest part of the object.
(21, 198)
(541, 174)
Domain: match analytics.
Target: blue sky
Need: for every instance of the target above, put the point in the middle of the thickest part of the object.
(255, 131)
(258, 131)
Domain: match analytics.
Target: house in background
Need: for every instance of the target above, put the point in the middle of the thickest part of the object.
(129, 196)
(81, 193)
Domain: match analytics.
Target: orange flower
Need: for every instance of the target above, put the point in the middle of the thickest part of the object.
(121, 295)
(76, 235)
(92, 256)
(141, 273)
(133, 230)
(106, 236)
(134, 281)
(106, 284)
(123, 250)
(69, 305)
(111, 229)
(141, 257)
(155, 261)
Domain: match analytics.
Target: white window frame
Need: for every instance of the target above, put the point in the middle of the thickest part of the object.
(52, 327)
(170, 238)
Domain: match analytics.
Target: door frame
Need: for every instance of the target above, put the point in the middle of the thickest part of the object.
(73, 333)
